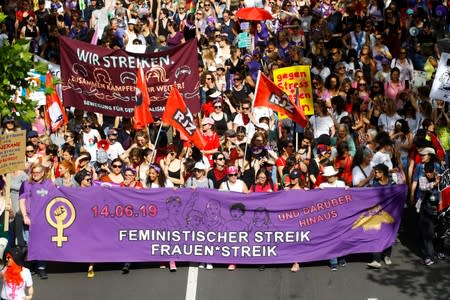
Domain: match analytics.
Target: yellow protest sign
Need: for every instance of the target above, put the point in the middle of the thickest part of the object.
(12, 151)
(288, 79)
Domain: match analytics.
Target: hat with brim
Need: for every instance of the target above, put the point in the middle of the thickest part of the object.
(295, 174)
(199, 166)
(427, 150)
(207, 121)
(263, 126)
(329, 171)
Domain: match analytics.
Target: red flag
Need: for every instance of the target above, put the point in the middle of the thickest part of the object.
(142, 115)
(269, 95)
(445, 199)
(180, 117)
(55, 115)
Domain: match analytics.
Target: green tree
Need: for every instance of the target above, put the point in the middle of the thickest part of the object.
(15, 63)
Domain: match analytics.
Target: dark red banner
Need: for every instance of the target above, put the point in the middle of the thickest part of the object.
(104, 80)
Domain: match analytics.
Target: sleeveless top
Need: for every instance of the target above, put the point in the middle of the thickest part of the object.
(221, 125)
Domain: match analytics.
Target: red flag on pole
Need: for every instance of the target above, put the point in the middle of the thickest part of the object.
(55, 115)
(179, 116)
(267, 94)
(142, 115)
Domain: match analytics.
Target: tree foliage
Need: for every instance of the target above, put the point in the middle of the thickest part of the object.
(15, 63)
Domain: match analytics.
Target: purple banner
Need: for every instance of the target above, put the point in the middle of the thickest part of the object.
(104, 80)
(101, 224)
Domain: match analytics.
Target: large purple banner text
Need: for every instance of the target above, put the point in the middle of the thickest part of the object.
(101, 224)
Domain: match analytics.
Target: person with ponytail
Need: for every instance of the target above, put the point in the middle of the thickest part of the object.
(17, 280)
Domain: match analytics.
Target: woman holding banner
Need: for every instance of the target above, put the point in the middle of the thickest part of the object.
(38, 182)
(233, 184)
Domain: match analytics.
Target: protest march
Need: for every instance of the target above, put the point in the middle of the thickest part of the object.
(215, 132)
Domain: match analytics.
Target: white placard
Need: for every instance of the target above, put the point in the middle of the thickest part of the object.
(441, 83)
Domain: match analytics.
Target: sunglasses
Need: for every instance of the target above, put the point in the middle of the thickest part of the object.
(117, 166)
(237, 79)
(221, 158)
(232, 175)
(207, 4)
(362, 84)
(30, 151)
(218, 106)
(208, 78)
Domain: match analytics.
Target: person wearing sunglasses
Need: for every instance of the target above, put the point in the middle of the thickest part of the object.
(233, 184)
(116, 172)
(218, 173)
(17, 280)
(38, 181)
(172, 166)
(84, 180)
(31, 32)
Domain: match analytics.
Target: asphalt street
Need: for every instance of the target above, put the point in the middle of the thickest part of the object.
(406, 278)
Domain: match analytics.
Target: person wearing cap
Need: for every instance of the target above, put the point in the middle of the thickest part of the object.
(130, 34)
(8, 125)
(211, 138)
(427, 154)
(330, 173)
(115, 149)
(17, 280)
(198, 179)
(33, 137)
(384, 75)
(428, 212)
(233, 184)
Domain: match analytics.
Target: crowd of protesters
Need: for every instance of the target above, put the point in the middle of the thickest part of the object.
(371, 125)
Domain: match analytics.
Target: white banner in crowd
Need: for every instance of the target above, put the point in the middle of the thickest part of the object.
(441, 84)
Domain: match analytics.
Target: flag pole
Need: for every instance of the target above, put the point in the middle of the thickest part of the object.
(156, 142)
(297, 92)
(251, 111)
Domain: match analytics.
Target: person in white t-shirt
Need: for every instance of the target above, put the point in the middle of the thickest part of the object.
(90, 137)
(321, 122)
(330, 173)
(115, 148)
(362, 172)
(17, 281)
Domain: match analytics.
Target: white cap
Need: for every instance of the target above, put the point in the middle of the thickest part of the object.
(200, 166)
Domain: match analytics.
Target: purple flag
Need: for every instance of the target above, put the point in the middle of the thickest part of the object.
(101, 224)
